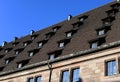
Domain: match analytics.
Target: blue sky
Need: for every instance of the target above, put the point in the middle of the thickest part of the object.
(19, 17)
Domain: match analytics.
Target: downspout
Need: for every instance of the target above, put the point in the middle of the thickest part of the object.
(50, 68)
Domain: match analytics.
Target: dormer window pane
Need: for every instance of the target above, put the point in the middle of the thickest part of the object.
(17, 52)
(55, 29)
(20, 65)
(7, 61)
(31, 54)
(81, 19)
(6, 51)
(25, 44)
(32, 37)
(101, 32)
(52, 57)
(61, 44)
(69, 34)
(94, 45)
(40, 44)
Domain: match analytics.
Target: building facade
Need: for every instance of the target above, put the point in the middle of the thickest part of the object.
(84, 48)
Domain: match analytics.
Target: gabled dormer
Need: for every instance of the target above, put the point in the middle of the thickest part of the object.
(70, 33)
(22, 63)
(41, 43)
(108, 21)
(26, 43)
(56, 28)
(49, 34)
(115, 6)
(7, 50)
(83, 18)
(63, 43)
(32, 52)
(8, 60)
(112, 12)
(17, 51)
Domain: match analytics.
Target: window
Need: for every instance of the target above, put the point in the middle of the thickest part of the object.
(31, 54)
(7, 61)
(94, 45)
(14, 44)
(16, 52)
(69, 34)
(20, 65)
(56, 28)
(75, 75)
(61, 44)
(32, 37)
(40, 44)
(39, 79)
(6, 51)
(52, 57)
(65, 76)
(110, 68)
(101, 32)
(31, 80)
(25, 44)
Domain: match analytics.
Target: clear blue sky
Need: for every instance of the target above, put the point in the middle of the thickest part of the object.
(19, 17)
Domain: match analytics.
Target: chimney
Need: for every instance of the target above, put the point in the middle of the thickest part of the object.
(32, 31)
(4, 43)
(69, 17)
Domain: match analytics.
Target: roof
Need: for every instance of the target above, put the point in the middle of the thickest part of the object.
(81, 40)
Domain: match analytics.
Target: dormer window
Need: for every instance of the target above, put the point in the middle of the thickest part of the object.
(41, 43)
(63, 42)
(22, 63)
(115, 6)
(33, 52)
(56, 28)
(7, 50)
(15, 43)
(82, 18)
(26, 43)
(101, 32)
(52, 57)
(33, 36)
(17, 51)
(97, 42)
(49, 35)
(107, 21)
(77, 24)
(94, 44)
(112, 12)
(8, 60)
(70, 33)
(54, 54)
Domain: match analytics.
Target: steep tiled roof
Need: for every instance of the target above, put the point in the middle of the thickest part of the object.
(84, 28)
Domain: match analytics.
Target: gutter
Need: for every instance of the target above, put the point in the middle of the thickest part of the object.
(73, 55)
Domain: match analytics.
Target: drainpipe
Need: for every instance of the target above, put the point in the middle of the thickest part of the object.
(50, 68)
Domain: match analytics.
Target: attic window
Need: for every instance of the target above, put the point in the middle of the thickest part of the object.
(107, 21)
(70, 33)
(101, 32)
(63, 42)
(15, 43)
(97, 42)
(112, 12)
(7, 50)
(82, 18)
(7, 61)
(22, 63)
(33, 36)
(26, 43)
(17, 51)
(115, 6)
(50, 34)
(54, 54)
(56, 28)
(41, 43)
(52, 57)
(33, 52)
(77, 24)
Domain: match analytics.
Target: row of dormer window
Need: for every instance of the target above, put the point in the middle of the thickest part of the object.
(106, 25)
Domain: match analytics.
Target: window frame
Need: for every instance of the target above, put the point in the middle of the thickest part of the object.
(61, 75)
